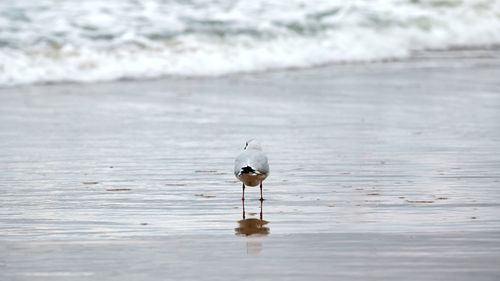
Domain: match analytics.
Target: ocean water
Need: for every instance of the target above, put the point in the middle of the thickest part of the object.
(45, 41)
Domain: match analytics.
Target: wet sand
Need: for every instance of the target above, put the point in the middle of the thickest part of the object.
(359, 256)
(387, 171)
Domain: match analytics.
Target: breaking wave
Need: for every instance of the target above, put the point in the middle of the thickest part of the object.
(53, 41)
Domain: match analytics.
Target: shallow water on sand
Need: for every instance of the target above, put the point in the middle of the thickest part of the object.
(399, 147)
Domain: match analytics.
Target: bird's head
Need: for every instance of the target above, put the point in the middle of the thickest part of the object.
(253, 144)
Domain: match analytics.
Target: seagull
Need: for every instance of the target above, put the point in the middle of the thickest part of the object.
(251, 166)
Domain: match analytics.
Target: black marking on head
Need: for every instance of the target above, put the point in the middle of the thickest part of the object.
(247, 170)
(246, 144)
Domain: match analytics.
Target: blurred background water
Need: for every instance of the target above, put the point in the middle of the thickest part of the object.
(51, 41)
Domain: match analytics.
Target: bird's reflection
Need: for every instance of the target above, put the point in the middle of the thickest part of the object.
(252, 225)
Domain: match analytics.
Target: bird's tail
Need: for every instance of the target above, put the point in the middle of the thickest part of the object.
(247, 170)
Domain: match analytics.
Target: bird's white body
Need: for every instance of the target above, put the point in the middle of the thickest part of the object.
(251, 166)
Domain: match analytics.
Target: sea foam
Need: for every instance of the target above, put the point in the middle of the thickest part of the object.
(53, 41)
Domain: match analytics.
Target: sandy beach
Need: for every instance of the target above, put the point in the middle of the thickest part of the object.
(386, 171)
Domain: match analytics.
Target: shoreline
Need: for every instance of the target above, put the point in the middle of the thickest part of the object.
(418, 59)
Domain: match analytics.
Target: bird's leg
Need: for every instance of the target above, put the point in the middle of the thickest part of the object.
(243, 206)
(261, 209)
(261, 199)
(243, 197)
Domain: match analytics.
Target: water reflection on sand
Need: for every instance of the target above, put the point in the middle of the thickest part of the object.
(252, 226)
